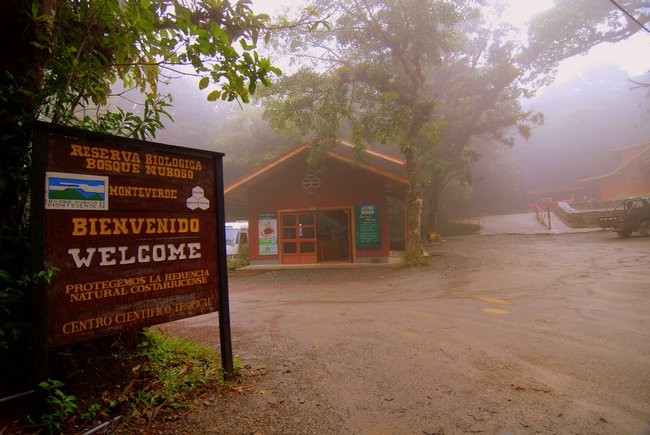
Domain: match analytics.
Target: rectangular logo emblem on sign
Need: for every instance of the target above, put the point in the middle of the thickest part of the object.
(65, 191)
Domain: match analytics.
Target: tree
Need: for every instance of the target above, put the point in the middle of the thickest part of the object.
(427, 75)
(435, 77)
(62, 58)
(478, 93)
(481, 99)
(572, 27)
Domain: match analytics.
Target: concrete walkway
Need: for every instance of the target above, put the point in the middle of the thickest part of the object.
(522, 223)
(525, 223)
(394, 259)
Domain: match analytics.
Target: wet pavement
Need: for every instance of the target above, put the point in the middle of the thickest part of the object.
(505, 334)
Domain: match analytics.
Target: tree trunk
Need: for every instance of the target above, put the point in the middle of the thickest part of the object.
(22, 67)
(434, 207)
(413, 206)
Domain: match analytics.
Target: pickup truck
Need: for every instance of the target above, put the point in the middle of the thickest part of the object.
(631, 215)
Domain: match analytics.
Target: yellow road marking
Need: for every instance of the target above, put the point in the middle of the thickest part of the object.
(495, 301)
(495, 311)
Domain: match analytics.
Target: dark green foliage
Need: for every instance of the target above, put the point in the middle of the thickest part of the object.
(61, 61)
(59, 405)
(15, 305)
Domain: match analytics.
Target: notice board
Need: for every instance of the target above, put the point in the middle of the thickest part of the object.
(134, 230)
(367, 227)
(267, 228)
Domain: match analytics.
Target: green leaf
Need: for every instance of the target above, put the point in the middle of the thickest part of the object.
(214, 95)
(245, 45)
(204, 82)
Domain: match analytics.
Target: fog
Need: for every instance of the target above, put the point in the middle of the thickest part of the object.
(586, 116)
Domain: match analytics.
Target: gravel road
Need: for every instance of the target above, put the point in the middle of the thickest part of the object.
(502, 335)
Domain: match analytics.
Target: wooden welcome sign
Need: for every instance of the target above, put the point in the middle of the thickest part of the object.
(133, 228)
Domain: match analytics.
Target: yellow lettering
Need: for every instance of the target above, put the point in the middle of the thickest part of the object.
(85, 325)
(142, 192)
(93, 226)
(151, 226)
(173, 167)
(79, 226)
(75, 150)
(107, 159)
(104, 228)
(118, 226)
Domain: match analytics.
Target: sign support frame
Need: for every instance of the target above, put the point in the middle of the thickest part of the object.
(225, 336)
(40, 310)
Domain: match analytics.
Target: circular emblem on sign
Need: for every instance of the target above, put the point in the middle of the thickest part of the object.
(311, 181)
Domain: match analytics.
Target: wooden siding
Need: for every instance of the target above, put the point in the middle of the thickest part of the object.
(342, 186)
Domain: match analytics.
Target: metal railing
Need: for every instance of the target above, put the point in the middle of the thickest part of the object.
(543, 216)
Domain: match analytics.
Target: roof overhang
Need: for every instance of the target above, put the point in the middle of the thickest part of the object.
(620, 168)
(383, 165)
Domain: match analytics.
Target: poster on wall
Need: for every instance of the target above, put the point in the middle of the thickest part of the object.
(367, 227)
(131, 228)
(268, 234)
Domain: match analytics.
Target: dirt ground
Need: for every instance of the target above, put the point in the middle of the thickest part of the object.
(502, 335)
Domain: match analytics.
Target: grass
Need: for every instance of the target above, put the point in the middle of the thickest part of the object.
(237, 262)
(173, 369)
(413, 260)
(133, 378)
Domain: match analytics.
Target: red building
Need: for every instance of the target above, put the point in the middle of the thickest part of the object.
(630, 177)
(298, 215)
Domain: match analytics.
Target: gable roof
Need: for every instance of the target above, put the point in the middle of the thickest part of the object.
(388, 167)
(644, 148)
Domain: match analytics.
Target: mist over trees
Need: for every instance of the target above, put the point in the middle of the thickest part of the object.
(426, 77)
(440, 81)
(572, 27)
(492, 179)
(585, 118)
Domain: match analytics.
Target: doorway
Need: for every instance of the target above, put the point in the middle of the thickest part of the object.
(310, 237)
(333, 229)
(299, 238)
